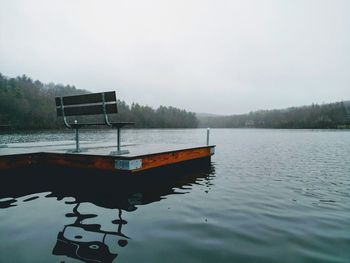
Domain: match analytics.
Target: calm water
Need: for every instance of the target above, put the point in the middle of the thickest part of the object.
(270, 196)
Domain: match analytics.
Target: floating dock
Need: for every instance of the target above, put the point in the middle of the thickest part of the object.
(99, 156)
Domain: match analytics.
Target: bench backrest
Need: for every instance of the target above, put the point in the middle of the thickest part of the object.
(87, 104)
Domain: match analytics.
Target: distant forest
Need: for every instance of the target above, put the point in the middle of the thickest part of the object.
(29, 104)
(325, 116)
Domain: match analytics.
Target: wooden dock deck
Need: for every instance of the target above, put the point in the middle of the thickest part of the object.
(97, 155)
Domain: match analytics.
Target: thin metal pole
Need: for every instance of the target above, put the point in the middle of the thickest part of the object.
(118, 139)
(76, 137)
(208, 133)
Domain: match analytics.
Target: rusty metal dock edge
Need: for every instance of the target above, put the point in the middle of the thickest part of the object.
(129, 164)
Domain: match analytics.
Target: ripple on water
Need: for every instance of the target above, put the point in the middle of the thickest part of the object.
(271, 196)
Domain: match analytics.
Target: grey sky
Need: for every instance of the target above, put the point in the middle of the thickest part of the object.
(205, 56)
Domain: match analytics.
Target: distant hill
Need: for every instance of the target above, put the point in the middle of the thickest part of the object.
(333, 115)
(205, 115)
(347, 108)
(347, 105)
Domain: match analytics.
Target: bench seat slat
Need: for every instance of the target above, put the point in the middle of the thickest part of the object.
(87, 110)
(86, 98)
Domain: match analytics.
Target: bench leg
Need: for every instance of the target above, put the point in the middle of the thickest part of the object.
(119, 151)
(77, 149)
(118, 139)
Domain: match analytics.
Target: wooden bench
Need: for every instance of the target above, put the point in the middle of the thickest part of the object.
(103, 103)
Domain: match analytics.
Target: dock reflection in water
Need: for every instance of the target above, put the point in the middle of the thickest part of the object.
(81, 239)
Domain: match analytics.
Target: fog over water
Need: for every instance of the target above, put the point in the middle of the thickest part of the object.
(220, 57)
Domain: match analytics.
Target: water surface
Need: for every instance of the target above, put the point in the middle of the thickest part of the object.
(270, 196)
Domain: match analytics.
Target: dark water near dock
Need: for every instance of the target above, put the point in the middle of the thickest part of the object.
(270, 196)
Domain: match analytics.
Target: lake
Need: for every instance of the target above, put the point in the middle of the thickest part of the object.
(270, 196)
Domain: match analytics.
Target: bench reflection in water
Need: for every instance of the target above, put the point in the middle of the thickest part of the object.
(84, 239)
(88, 242)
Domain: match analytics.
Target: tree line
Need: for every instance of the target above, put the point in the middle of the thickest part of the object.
(29, 104)
(325, 116)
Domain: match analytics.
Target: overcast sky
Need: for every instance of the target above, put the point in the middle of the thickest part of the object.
(205, 56)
